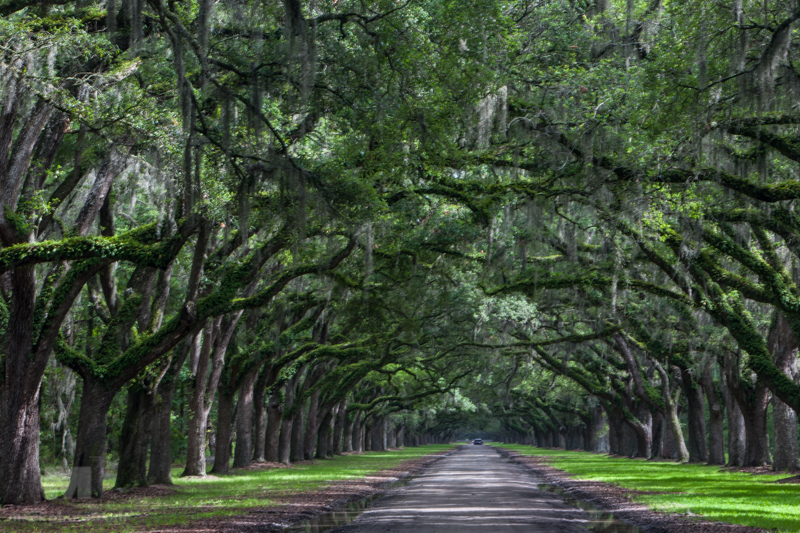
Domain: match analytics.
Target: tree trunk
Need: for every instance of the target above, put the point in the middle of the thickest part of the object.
(90, 448)
(785, 434)
(698, 449)
(384, 433)
(753, 400)
(378, 439)
(659, 428)
(323, 435)
(260, 415)
(243, 454)
(160, 444)
(312, 425)
(133, 439)
(285, 442)
(675, 442)
(783, 347)
(347, 438)
(224, 431)
(644, 433)
(20, 481)
(330, 436)
(716, 418)
(339, 428)
(736, 433)
(160, 452)
(756, 452)
(272, 438)
(615, 428)
(358, 440)
(298, 433)
(589, 433)
(206, 380)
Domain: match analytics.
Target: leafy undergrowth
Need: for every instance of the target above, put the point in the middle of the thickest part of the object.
(197, 499)
(717, 494)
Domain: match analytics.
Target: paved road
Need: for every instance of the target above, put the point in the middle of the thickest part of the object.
(472, 491)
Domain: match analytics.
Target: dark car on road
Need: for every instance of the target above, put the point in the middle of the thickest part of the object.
(477, 441)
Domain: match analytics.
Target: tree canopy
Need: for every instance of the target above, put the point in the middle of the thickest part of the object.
(310, 227)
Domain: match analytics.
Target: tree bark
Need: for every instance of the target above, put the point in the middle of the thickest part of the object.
(783, 347)
(339, 428)
(736, 434)
(244, 422)
(133, 439)
(20, 481)
(285, 442)
(671, 415)
(644, 432)
(298, 432)
(160, 450)
(273, 432)
(716, 419)
(323, 436)
(367, 430)
(312, 424)
(260, 415)
(785, 434)
(224, 433)
(209, 370)
(753, 400)
(698, 449)
(615, 426)
(358, 440)
(756, 451)
(90, 448)
(347, 444)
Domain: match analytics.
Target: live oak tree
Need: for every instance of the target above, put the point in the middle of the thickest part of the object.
(343, 216)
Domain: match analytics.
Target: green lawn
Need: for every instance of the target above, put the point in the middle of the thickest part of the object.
(198, 498)
(735, 497)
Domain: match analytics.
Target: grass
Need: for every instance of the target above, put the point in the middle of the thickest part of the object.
(717, 494)
(201, 498)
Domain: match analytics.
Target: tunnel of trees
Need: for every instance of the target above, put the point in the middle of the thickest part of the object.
(272, 230)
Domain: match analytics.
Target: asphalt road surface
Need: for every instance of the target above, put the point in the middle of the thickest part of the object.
(472, 491)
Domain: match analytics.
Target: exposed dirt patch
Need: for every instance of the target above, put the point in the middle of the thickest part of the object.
(620, 502)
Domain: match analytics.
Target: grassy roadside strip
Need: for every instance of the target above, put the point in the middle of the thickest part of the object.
(203, 502)
(717, 494)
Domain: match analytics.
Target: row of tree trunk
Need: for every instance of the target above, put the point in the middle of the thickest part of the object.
(251, 425)
(708, 406)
